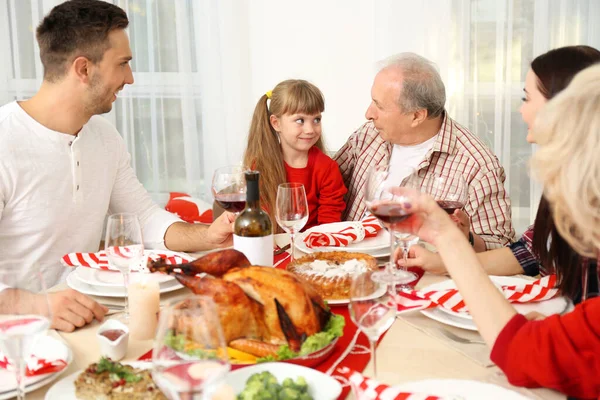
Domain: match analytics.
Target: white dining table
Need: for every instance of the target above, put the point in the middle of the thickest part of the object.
(405, 354)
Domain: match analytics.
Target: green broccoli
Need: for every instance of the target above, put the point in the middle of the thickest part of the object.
(301, 384)
(289, 394)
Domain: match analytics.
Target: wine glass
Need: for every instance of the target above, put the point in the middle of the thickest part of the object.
(124, 248)
(389, 209)
(189, 359)
(24, 316)
(229, 188)
(372, 308)
(291, 210)
(450, 192)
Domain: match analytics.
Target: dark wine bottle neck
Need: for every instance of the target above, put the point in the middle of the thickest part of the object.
(252, 194)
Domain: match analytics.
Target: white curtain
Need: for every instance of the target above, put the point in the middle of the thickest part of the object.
(200, 66)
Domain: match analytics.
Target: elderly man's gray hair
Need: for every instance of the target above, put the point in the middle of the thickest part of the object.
(422, 86)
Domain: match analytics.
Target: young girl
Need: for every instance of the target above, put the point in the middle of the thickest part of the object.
(285, 145)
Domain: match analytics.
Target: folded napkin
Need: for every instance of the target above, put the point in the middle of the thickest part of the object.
(47, 357)
(99, 260)
(368, 389)
(368, 227)
(451, 299)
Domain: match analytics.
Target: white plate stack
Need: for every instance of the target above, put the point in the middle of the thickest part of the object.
(98, 282)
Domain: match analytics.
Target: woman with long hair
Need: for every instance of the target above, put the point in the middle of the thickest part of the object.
(560, 352)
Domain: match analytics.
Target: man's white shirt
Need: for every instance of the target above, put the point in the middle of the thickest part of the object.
(56, 189)
(405, 159)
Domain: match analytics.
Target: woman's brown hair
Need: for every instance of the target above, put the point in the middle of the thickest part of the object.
(263, 152)
(555, 70)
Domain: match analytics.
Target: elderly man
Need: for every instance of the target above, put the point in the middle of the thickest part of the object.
(63, 168)
(409, 129)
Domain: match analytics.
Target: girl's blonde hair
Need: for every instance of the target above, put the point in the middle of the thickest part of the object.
(568, 162)
(263, 152)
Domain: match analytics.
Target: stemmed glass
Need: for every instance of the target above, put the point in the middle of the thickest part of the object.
(389, 209)
(450, 192)
(189, 359)
(24, 316)
(291, 210)
(229, 188)
(124, 248)
(372, 308)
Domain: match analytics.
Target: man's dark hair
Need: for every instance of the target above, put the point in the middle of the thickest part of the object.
(77, 28)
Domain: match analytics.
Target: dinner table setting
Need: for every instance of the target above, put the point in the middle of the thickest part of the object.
(184, 325)
(426, 347)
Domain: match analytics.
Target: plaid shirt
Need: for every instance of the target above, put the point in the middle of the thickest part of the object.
(523, 251)
(455, 150)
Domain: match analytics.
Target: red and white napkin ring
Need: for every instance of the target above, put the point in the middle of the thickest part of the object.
(368, 389)
(451, 299)
(99, 260)
(368, 227)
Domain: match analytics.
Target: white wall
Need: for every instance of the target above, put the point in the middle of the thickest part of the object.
(335, 45)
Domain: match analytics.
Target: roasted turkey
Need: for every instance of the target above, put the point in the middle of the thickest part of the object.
(260, 308)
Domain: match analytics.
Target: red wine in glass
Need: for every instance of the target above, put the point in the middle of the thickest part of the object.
(233, 202)
(390, 213)
(450, 206)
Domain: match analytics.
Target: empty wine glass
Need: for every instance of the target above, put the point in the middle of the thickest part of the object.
(124, 248)
(291, 210)
(24, 317)
(372, 308)
(189, 359)
(229, 188)
(389, 209)
(450, 192)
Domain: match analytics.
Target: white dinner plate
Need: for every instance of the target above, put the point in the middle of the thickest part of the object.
(464, 320)
(320, 386)
(84, 288)
(376, 246)
(45, 345)
(65, 388)
(114, 279)
(459, 390)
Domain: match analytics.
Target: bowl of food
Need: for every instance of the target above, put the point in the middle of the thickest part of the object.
(330, 273)
(282, 381)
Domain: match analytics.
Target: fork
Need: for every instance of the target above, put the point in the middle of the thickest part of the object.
(459, 339)
(281, 250)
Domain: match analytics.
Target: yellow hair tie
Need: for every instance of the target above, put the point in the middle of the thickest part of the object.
(269, 94)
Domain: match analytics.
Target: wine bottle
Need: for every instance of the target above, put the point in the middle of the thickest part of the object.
(253, 230)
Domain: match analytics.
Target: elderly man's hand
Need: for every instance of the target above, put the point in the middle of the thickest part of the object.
(71, 309)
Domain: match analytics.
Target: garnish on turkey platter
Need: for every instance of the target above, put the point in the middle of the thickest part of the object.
(262, 310)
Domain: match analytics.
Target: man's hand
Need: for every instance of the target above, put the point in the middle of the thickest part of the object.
(420, 257)
(220, 233)
(462, 221)
(71, 309)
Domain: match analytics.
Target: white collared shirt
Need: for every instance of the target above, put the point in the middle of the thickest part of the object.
(56, 189)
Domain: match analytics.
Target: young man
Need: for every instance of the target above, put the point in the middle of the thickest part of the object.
(63, 168)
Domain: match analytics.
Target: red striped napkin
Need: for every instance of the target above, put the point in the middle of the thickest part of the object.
(99, 260)
(368, 227)
(368, 389)
(451, 299)
(46, 357)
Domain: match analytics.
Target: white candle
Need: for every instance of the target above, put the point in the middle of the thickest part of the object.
(144, 300)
